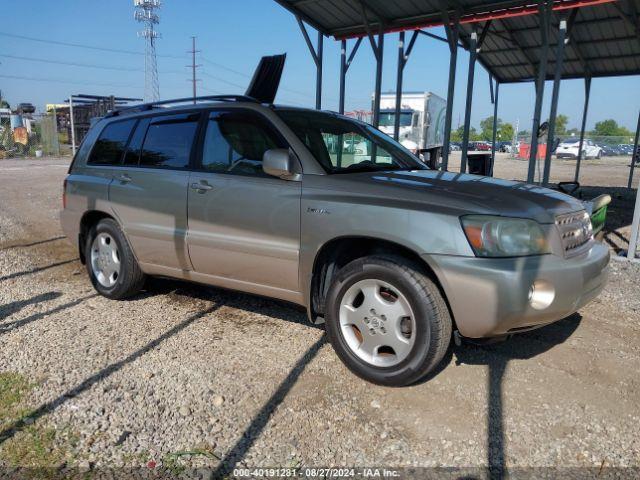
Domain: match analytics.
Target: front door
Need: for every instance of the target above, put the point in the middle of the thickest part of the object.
(244, 225)
(149, 191)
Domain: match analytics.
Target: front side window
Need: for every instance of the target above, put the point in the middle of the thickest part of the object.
(342, 145)
(168, 141)
(236, 141)
(109, 147)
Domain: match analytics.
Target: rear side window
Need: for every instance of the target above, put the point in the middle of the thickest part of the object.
(169, 140)
(109, 147)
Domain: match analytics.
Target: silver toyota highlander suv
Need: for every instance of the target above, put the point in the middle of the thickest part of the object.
(327, 212)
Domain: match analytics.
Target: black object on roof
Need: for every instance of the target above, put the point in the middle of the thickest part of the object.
(266, 78)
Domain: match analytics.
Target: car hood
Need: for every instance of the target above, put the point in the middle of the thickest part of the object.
(457, 194)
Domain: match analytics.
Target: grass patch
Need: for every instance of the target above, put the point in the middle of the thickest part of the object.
(176, 463)
(13, 388)
(33, 446)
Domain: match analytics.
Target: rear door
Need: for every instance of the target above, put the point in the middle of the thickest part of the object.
(244, 225)
(148, 193)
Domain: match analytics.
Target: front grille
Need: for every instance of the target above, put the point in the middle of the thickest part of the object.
(575, 231)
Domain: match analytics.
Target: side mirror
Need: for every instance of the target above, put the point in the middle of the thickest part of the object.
(278, 163)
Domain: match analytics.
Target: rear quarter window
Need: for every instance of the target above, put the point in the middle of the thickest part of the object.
(111, 144)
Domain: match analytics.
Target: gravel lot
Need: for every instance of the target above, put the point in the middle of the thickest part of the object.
(186, 376)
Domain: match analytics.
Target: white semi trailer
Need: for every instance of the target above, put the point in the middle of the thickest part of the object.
(422, 118)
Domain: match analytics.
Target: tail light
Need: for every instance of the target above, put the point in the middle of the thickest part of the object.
(64, 194)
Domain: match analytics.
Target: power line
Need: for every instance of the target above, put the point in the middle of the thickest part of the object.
(83, 65)
(224, 81)
(72, 64)
(215, 64)
(223, 67)
(60, 80)
(79, 45)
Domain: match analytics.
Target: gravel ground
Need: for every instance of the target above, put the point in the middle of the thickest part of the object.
(189, 376)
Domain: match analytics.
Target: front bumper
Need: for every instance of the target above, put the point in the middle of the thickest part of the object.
(490, 296)
(566, 155)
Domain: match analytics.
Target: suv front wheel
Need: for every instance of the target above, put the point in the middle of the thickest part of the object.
(112, 267)
(387, 320)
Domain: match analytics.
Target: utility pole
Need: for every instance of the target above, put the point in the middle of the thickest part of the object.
(193, 66)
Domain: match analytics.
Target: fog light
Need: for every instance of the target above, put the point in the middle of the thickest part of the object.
(541, 294)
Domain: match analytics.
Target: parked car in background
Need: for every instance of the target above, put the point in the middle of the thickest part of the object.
(610, 150)
(569, 149)
(455, 146)
(505, 147)
(25, 108)
(480, 146)
(625, 149)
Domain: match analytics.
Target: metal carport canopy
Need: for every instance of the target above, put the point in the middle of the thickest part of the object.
(603, 41)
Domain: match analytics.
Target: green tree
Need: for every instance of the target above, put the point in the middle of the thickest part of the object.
(486, 128)
(4, 104)
(561, 124)
(505, 132)
(610, 128)
(456, 135)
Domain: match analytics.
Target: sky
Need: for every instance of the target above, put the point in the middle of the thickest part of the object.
(231, 37)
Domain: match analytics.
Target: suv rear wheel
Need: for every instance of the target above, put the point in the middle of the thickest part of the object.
(387, 321)
(113, 270)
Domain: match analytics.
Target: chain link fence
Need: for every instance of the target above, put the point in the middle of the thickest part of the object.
(593, 147)
(33, 135)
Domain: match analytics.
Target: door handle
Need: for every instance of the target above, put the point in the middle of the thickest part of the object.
(124, 178)
(201, 187)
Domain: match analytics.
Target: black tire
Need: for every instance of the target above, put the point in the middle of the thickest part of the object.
(432, 319)
(130, 279)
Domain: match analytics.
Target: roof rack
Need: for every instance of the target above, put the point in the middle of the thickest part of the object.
(151, 105)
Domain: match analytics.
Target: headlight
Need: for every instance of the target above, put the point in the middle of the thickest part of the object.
(491, 236)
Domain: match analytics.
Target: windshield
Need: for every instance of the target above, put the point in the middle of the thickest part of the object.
(342, 145)
(387, 119)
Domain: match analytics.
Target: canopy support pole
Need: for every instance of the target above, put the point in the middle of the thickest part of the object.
(378, 89)
(635, 227)
(495, 125)
(634, 153)
(345, 63)
(403, 56)
(545, 13)
(343, 76)
(587, 95)
(316, 54)
(473, 54)
(319, 71)
(453, 33)
(562, 33)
